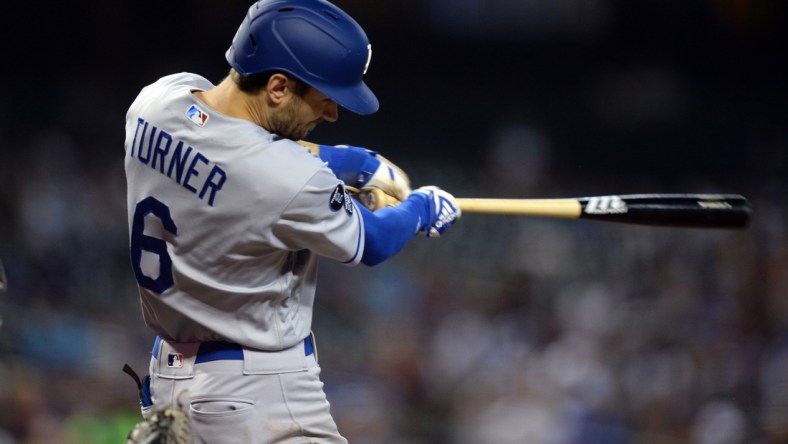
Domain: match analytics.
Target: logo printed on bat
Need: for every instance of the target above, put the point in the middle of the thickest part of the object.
(714, 204)
(606, 205)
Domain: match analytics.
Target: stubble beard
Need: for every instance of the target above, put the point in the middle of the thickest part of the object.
(285, 123)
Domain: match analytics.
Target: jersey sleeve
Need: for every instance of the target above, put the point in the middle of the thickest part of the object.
(387, 230)
(323, 218)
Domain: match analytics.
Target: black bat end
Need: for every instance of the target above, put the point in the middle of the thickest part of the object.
(679, 210)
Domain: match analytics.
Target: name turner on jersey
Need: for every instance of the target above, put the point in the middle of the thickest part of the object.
(184, 164)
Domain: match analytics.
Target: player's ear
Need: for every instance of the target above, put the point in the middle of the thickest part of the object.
(278, 87)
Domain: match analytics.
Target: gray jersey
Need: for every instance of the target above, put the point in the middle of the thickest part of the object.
(227, 221)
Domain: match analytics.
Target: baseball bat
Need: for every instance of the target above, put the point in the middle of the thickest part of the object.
(679, 210)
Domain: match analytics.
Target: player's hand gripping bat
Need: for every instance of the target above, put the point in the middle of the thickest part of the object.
(678, 210)
(363, 170)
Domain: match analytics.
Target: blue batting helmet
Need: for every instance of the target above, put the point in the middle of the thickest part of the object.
(312, 40)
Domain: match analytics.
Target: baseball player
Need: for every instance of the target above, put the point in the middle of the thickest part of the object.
(228, 215)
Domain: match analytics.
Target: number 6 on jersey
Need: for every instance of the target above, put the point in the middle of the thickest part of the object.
(141, 242)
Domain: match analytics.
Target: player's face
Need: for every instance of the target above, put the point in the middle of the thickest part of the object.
(299, 115)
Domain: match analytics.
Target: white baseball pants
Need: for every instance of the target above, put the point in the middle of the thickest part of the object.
(237, 395)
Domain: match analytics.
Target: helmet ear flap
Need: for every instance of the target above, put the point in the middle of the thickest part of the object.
(312, 40)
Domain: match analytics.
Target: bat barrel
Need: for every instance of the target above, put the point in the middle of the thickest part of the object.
(688, 210)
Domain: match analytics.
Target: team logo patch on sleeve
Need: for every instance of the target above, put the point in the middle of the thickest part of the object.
(196, 115)
(340, 198)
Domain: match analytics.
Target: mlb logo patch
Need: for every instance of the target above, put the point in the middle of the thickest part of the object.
(175, 360)
(196, 115)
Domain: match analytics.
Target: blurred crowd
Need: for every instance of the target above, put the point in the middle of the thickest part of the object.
(506, 330)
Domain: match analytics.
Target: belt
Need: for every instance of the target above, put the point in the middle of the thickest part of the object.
(220, 350)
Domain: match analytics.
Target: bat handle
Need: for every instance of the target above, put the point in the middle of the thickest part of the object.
(567, 208)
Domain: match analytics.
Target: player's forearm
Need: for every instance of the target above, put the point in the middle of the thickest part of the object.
(388, 230)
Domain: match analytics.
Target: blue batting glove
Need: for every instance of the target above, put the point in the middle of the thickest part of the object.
(442, 210)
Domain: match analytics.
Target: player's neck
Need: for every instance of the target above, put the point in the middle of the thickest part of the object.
(227, 99)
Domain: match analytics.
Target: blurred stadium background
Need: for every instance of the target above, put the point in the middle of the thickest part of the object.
(508, 330)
